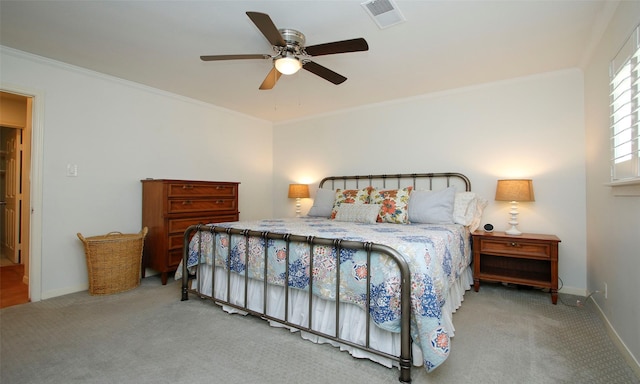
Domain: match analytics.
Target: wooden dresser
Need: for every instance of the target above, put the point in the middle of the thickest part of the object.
(171, 206)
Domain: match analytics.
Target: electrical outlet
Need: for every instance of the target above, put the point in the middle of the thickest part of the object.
(606, 293)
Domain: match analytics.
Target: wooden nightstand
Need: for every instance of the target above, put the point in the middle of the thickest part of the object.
(528, 259)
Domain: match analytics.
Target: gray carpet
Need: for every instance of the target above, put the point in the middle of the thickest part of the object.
(147, 335)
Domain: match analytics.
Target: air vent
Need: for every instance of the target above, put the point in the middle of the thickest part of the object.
(384, 12)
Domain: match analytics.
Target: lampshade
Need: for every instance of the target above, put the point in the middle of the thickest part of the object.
(515, 190)
(288, 65)
(299, 191)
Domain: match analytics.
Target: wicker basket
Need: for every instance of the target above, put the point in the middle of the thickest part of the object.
(113, 261)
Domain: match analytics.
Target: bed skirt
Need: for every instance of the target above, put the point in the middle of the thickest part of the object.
(324, 313)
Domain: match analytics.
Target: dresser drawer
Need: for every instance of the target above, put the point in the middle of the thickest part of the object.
(202, 190)
(174, 258)
(176, 241)
(200, 205)
(516, 247)
(177, 228)
(180, 225)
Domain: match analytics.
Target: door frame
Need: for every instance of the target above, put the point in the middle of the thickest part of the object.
(35, 225)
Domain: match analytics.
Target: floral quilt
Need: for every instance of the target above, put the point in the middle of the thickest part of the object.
(436, 254)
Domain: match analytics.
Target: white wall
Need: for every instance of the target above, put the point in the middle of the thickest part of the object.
(118, 133)
(613, 222)
(528, 127)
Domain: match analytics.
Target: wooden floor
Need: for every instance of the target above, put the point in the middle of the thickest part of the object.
(12, 290)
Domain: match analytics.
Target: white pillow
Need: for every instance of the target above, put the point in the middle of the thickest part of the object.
(432, 207)
(468, 208)
(464, 207)
(323, 203)
(477, 217)
(358, 213)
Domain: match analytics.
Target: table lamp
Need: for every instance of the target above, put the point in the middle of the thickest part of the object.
(298, 191)
(514, 190)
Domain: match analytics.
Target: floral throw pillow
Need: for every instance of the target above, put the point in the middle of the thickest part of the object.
(394, 205)
(350, 196)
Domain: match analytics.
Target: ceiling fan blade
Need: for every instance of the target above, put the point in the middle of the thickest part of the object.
(344, 46)
(267, 27)
(233, 57)
(324, 72)
(271, 79)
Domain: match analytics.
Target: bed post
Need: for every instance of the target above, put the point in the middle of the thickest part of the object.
(185, 256)
(405, 330)
(405, 315)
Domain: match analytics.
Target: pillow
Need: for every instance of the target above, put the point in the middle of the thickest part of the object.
(323, 203)
(350, 196)
(464, 207)
(481, 204)
(358, 213)
(432, 207)
(393, 205)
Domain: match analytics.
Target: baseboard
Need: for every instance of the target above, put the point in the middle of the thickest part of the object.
(79, 288)
(573, 291)
(150, 272)
(64, 291)
(617, 341)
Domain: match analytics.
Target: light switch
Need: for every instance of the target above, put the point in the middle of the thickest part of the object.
(72, 170)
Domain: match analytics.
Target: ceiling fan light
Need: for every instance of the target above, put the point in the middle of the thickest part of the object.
(288, 65)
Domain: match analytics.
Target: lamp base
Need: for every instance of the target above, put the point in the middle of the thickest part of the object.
(513, 231)
(298, 207)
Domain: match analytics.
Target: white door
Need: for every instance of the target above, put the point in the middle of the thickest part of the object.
(9, 238)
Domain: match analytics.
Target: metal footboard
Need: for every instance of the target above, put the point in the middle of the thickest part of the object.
(404, 360)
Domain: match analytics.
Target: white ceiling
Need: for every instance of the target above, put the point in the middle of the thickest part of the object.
(442, 45)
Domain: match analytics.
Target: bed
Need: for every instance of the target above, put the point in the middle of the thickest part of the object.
(376, 268)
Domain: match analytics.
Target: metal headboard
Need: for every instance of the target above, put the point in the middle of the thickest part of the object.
(433, 180)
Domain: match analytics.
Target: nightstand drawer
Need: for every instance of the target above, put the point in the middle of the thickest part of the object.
(516, 247)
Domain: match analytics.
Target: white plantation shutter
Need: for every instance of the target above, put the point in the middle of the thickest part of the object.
(625, 111)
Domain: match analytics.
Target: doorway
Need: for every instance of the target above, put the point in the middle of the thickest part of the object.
(15, 206)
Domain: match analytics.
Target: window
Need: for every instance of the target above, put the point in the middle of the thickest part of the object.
(624, 73)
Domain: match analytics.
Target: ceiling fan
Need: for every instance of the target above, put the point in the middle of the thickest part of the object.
(291, 54)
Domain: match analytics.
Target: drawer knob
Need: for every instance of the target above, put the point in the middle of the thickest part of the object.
(186, 202)
(514, 244)
(187, 186)
(219, 201)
